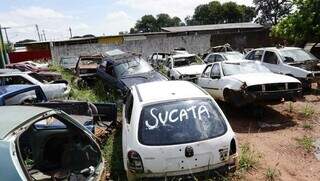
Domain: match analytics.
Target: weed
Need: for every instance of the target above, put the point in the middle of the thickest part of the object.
(290, 108)
(308, 110)
(307, 126)
(272, 174)
(248, 158)
(306, 143)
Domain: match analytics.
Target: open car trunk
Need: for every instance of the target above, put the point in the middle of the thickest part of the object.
(64, 152)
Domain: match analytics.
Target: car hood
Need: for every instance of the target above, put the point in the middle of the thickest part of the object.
(142, 78)
(190, 70)
(311, 65)
(263, 78)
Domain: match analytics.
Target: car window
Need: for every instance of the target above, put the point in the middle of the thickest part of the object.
(255, 55)
(128, 108)
(180, 122)
(49, 123)
(270, 57)
(11, 80)
(210, 59)
(207, 70)
(216, 71)
(219, 58)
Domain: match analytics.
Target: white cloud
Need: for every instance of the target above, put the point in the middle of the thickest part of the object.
(54, 23)
(116, 22)
(180, 8)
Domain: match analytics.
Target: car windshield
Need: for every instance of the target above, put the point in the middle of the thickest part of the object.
(186, 61)
(132, 66)
(297, 55)
(180, 122)
(234, 56)
(243, 68)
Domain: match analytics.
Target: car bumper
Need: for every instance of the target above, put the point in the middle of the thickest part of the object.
(240, 98)
(199, 173)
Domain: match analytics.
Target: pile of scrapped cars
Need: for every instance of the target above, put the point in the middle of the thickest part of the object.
(172, 127)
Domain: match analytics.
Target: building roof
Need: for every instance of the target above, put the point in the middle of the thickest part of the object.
(168, 90)
(212, 27)
(14, 116)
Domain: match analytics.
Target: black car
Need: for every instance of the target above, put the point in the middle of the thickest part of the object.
(122, 70)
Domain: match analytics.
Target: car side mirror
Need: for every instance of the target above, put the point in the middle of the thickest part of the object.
(288, 60)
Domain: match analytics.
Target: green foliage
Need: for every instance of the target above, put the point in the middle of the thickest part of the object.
(149, 23)
(84, 93)
(271, 11)
(216, 13)
(272, 174)
(306, 142)
(302, 25)
(307, 126)
(248, 158)
(308, 110)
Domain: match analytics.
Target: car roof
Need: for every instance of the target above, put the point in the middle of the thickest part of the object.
(277, 49)
(168, 90)
(15, 73)
(7, 71)
(183, 55)
(13, 116)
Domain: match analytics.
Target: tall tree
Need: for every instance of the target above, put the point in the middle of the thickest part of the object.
(215, 13)
(149, 23)
(271, 11)
(301, 26)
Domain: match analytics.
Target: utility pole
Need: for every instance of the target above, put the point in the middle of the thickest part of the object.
(70, 32)
(44, 35)
(5, 32)
(37, 28)
(3, 53)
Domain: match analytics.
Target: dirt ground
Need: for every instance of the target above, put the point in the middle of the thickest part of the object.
(275, 137)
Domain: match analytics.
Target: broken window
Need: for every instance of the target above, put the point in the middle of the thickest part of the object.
(11, 80)
(270, 57)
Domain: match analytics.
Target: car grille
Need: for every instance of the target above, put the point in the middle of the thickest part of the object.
(274, 87)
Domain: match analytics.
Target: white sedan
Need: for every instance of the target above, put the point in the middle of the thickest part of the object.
(246, 82)
(52, 90)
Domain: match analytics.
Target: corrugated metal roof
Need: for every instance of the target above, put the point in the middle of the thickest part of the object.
(212, 27)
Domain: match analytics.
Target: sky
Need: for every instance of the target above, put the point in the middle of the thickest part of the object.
(97, 17)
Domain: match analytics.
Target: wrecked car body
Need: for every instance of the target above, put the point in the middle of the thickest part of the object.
(156, 60)
(290, 61)
(32, 149)
(68, 63)
(223, 56)
(88, 114)
(121, 70)
(245, 82)
(184, 66)
(86, 66)
(175, 133)
(53, 90)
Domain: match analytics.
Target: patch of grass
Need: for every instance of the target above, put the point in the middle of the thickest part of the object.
(248, 158)
(306, 142)
(97, 93)
(112, 152)
(308, 110)
(272, 174)
(307, 126)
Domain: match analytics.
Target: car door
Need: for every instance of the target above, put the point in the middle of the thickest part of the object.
(214, 81)
(271, 61)
(205, 77)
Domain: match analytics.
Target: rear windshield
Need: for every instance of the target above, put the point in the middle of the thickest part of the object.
(180, 122)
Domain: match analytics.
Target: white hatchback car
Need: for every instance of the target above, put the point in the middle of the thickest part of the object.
(173, 129)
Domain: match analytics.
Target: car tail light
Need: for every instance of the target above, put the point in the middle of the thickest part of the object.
(233, 147)
(135, 164)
